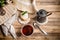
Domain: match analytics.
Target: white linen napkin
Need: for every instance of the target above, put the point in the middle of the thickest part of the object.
(8, 27)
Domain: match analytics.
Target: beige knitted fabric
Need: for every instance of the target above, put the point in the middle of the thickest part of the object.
(10, 11)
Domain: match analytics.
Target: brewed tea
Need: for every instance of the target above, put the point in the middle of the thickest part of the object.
(27, 30)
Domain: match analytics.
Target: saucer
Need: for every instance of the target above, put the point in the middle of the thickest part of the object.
(23, 22)
(43, 22)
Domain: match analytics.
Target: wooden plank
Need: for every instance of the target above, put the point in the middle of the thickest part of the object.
(48, 7)
(34, 37)
(48, 2)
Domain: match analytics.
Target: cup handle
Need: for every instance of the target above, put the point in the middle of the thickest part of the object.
(48, 13)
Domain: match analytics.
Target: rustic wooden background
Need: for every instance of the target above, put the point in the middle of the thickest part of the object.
(52, 27)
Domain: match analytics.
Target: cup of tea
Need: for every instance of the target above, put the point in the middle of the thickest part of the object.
(27, 30)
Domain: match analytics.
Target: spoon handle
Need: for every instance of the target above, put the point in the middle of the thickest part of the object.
(40, 29)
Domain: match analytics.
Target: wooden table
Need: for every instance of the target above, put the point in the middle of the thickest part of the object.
(52, 27)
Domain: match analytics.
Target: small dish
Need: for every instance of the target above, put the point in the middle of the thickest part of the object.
(23, 22)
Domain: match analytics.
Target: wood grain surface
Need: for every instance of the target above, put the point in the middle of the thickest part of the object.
(49, 5)
(52, 27)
